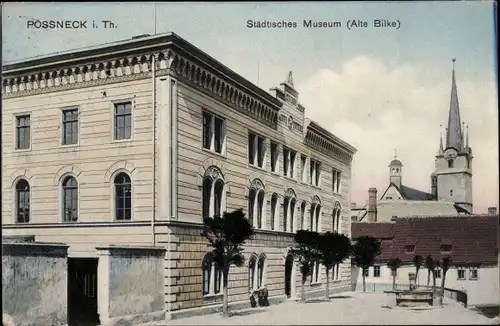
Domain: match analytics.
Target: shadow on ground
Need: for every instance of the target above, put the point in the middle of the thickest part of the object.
(246, 312)
(319, 300)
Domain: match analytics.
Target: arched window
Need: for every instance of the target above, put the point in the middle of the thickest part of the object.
(207, 271)
(252, 262)
(256, 203)
(123, 197)
(207, 188)
(450, 163)
(292, 214)
(251, 205)
(286, 202)
(274, 205)
(213, 193)
(289, 210)
(260, 271)
(70, 199)
(303, 215)
(212, 276)
(315, 272)
(317, 221)
(218, 191)
(22, 201)
(311, 217)
(336, 217)
(260, 208)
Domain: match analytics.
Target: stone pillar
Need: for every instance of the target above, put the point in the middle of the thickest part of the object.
(372, 205)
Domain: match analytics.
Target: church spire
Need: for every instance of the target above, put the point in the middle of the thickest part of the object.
(454, 131)
(440, 141)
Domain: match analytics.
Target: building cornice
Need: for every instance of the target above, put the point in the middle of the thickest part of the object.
(323, 141)
(132, 61)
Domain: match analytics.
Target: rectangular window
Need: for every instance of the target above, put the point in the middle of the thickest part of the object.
(286, 161)
(445, 248)
(461, 274)
(274, 156)
(409, 249)
(376, 271)
(339, 182)
(23, 130)
(123, 120)
(303, 162)
(315, 172)
(366, 271)
(472, 274)
(214, 132)
(256, 150)
(70, 127)
(292, 163)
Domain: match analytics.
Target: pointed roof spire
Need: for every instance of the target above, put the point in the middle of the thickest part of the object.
(289, 78)
(441, 140)
(454, 131)
(467, 138)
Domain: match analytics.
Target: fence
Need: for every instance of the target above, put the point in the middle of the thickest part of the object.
(456, 295)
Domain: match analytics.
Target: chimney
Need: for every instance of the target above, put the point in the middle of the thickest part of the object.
(492, 211)
(371, 209)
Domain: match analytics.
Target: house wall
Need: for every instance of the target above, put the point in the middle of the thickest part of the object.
(483, 291)
(405, 208)
(131, 284)
(92, 161)
(33, 278)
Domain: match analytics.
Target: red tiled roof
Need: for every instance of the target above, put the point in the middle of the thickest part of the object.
(377, 230)
(474, 238)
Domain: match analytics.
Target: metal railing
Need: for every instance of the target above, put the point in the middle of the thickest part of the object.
(456, 295)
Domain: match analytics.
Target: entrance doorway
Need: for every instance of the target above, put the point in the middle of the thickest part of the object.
(288, 275)
(82, 292)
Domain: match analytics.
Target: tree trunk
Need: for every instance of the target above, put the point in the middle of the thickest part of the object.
(433, 285)
(442, 289)
(428, 277)
(303, 289)
(416, 278)
(327, 291)
(393, 280)
(364, 284)
(225, 273)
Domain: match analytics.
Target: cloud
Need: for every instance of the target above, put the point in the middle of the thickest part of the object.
(378, 109)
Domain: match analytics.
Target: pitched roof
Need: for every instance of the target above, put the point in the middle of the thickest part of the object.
(414, 194)
(473, 238)
(409, 193)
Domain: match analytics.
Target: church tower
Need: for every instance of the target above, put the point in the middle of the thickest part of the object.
(396, 171)
(452, 178)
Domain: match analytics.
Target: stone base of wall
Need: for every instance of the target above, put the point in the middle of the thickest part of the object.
(217, 308)
(136, 319)
(245, 304)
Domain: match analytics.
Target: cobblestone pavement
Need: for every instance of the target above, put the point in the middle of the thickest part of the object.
(343, 309)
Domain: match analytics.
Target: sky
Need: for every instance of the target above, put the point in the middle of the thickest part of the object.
(379, 89)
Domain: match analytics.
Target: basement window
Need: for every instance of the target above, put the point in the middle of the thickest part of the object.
(445, 248)
(409, 249)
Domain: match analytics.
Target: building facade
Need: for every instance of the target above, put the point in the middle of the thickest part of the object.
(132, 143)
(470, 241)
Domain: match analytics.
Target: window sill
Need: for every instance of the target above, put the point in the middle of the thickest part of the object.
(69, 145)
(212, 295)
(263, 169)
(22, 150)
(206, 150)
(336, 281)
(471, 279)
(121, 141)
